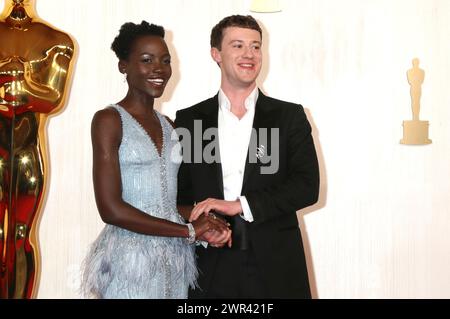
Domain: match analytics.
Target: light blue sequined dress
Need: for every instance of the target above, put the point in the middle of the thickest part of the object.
(125, 264)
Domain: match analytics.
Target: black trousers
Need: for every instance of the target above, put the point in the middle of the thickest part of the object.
(236, 276)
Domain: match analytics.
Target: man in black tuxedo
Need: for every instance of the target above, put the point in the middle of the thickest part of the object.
(251, 159)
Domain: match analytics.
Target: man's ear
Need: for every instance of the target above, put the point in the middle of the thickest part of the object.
(215, 54)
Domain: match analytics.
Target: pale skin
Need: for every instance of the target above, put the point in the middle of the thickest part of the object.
(240, 60)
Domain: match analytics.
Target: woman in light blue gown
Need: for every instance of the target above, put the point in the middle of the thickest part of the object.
(145, 249)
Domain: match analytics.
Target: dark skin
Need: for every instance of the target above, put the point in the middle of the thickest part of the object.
(148, 70)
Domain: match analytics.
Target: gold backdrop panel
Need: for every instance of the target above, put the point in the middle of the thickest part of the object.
(36, 63)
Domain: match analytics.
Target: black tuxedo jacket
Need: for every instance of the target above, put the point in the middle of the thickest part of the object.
(273, 198)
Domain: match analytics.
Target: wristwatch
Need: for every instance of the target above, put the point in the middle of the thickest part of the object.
(191, 238)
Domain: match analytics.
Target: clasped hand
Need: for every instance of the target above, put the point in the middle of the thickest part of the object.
(215, 237)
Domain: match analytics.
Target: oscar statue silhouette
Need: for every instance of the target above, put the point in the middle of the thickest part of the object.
(415, 131)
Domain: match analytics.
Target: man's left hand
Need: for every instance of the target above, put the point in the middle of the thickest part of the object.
(223, 207)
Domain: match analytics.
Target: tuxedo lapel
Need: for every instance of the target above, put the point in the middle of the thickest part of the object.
(265, 113)
(210, 116)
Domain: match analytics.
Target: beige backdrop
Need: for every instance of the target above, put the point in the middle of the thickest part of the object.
(380, 228)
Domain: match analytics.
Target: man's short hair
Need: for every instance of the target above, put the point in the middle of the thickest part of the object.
(247, 22)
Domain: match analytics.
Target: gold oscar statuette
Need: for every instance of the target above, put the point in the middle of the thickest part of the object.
(415, 131)
(36, 62)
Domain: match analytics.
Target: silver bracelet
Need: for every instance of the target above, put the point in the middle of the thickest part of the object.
(191, 238)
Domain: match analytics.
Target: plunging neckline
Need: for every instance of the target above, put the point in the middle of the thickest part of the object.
(159, 153)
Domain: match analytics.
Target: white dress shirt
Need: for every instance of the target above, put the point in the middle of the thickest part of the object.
(234, 139)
